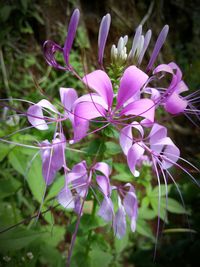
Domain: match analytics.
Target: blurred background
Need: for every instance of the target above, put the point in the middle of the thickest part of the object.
(24, 26)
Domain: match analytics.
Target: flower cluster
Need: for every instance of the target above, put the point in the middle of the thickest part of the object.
(128, 103)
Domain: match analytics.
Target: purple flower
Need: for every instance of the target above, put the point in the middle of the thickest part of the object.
(171, 98)
(36, 116)
(50, 47)
(53, 157)
(157, 146)
(79, 180)
(100, 104)
(127, 205)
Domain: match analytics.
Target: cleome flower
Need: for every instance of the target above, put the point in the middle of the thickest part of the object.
(158, 147)
(77, 184)
(100, 104)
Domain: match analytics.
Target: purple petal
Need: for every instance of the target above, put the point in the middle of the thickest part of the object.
(77, 207)
(80, 168)
(80, 131)
(134, 155)
(164, 68)
(143, 107)
(36, 118)
(126, 139)
(175, 104)
(157, 132)
(103, 167)
(181, 87)
(49, 50)
(171, 152)
(106, 210)
(104, 184)
(131, 207)
(68, 97)
(131, 82)
(65, 198)
(83, 113)
(94, 98)
(35, 114)
(73, 24)
(119, 223)
(103, 34)
(126, 136)
(159, 43)
(52, 158)
(147, 39)
(99, 81)
(86, 111)
(135, 41)
(155, 94)
(178, 72)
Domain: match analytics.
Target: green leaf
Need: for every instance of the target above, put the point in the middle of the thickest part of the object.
(4, 149)
(122, 177)
(17, 239)
(155, 191)
(8, 186)
(53, 235)
(100, 258)
(175, 207)
(18, 160)
(5, 12)
(9, 214)
(162, 211)
(144, 229)
(146, 214)
(55, 187)
(112, 148)
(35, 179)
(51, 257)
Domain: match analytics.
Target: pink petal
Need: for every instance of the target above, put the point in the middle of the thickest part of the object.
(143, 107)
(175, 104)
(131, 82)
(99, 81)
(134, 154)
